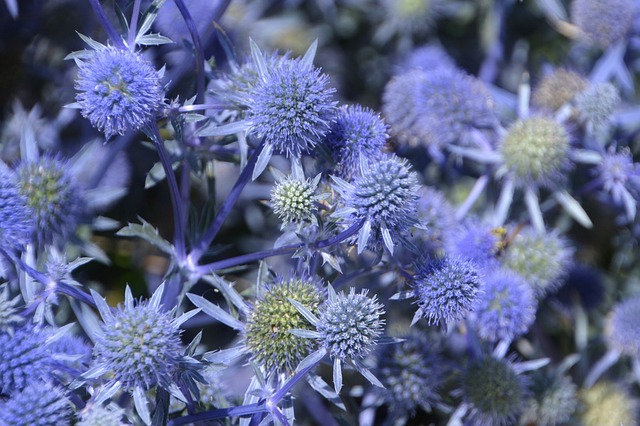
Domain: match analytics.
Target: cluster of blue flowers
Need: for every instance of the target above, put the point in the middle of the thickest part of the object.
(324, 212)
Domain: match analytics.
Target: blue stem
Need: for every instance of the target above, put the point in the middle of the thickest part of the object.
(174, 191)
(197, 43)
(242, 410)
(252, 257)
(131, 40)
(245, 176)
(104, 21)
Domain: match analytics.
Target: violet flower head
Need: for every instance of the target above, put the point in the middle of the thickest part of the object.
(25, 357)
(493, 390)
(351, 324)
(622, 329)
(619, 176)
(138, 344)
(597, 103)
(446, 289)
(39, 404)
(356, 132)
(426, 58)
(384, 196)
(16, 218)
(475, 241)
(554, 399)
(52, 195)
(506, 309)
(292, 107)
(118, 91)
(603, 22)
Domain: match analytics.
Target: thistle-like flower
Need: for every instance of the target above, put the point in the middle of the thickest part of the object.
(506, 309)
(268, 323)
(622, 331)
(384, 197)
(475, 241)
(25, 357)
(597, 103)
(608, 404)
(118, 90)
(603, 22)
(493, 390)
(558, 89)
(541, 258)
(619, 177)
(39, 404)
(293, 197)
(554, 399)
(445, 289)
(16, 217)
(52, 195)
(356, 132)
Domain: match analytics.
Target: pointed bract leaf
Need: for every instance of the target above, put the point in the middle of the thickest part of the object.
(573, 208)
(325, 390)
(153, 40)
(305, 334)
(258, 60)
(263, 161)
(215, 312)
(147, 232)
(305, 312)
(140, 402)
(103, 308)
(367, 374)
(225, 356)
(337, 374)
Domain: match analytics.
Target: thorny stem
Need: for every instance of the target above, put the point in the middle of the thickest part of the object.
(104, 21)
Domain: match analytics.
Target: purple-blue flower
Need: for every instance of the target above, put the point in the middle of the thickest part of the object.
(25, 358)
(622, 329)
(603, 22)
(39, 404)
(118, 90)
(619, 176)
(16, 218)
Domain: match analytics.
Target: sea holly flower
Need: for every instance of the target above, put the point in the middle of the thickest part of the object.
(558, 88)
(98, 415)
(554, 399)
(384, 196)
(622, 331)
(39, 404)
(118, 90)
(408, 17)
(603, 22)
(596, 104)
(16, 215)
(293, 197)
(607, 404)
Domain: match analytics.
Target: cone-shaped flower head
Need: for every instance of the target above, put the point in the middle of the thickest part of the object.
(412, 374)
(356, 132)
(603, 22)
(535, 151)
(291, 107)
(446, 289)
(267, 330)
(350, 324)
(541, 258)
(53, 197)
(118, 90)
(506, 309)
(494, 391)
(293, 198)
(554, 399)
(138, 344)
(622, 329)
(16, 218)
(384, 196)
(25, 357)
(558, 88)
(608, 404)
(39, 404)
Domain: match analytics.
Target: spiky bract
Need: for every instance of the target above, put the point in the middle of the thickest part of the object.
(9, 314)
(39, 404)
(535, 151)
(267, 330)
(118, 90)
(350, 324)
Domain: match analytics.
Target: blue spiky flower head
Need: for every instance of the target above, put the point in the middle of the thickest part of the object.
(554, 399)
(9, 314)
(493, 390)
(446, 289)
(412, 374)
(384, 196)
(356, 132)
(542, 258)
(291, 106)
(619, 176)
(536, 152)
(506, 309)
(597, 103)
(25, 357)
(293, 197)
(39, 404)
(118, 90)
(475, 241)
(350, 324)
(52, 195)
(16, 218)
(603, 22)
(138, 343)
(558, 88)
(267, 330)
(622, 328)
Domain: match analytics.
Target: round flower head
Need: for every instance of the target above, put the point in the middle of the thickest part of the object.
(16, 218)
(607, 404)
(536, 151)
(267, 330)
(52, 195)
(541, 258)
(619, 176)
(475, 241)
(437, 215)
(622, 329)
(138, 344)
(506, 309)
(350, 324)
(291, 107)
(597, 103)
(384, 196)
(603, 22)
(118, 90)
(558, 88)
(40, 404)
(554, 400)
(25, 357)
(494, 392)
(436, 108)
(97, 415)
(426, 58)
(293, 199)
(412, 375)
(446, 289)
(356, 132)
